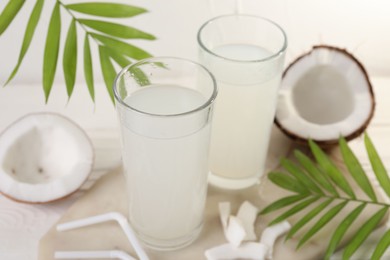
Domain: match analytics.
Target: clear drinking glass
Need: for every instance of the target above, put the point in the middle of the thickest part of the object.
(165, 107)
(245, 54)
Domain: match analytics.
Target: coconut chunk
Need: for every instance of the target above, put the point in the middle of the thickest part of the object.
(43, 157)
(247, 213)
(270, 234)
(248, 250)
(224, 213)
(233, 228)
(241, 227)
(235, 231)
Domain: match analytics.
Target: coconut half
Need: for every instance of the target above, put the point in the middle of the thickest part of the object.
(43, 157)
(325, 94)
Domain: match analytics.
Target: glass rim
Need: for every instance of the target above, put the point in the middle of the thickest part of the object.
(270, 57)
(205, 104)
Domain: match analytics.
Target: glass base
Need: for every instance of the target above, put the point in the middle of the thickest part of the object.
(170, 244)
(232, 184)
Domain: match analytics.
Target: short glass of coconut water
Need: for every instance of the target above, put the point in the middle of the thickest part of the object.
(245, 54)
(165, 108)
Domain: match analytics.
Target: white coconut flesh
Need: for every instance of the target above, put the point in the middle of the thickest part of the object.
(324, 94)
(43, 157)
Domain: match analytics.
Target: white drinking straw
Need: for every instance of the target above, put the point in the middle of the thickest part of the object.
(93, 254)
(122, 221)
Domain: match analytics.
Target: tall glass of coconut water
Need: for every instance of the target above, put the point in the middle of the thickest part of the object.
(246, 54)
(165, 107)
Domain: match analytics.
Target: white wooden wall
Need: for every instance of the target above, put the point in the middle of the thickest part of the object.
(361, 26)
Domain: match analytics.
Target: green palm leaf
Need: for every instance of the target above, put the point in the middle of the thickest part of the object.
(108, 71)
(117, 30)
(383, 244)
(113, 10)
(342, 229)
(51, 50)
(331, 169)
(356, 170)
(69, 61)
(116, 49)
(122, 47)
(317, 175)
(282, 203)
(328, 216)
(28, 35)
(295, 209)
(363, 232)
(116, 56)
(9, 12)
(377, 165)
(323, 175)
(300, 175)
(287, 182)
(309, 216)
(88, 71)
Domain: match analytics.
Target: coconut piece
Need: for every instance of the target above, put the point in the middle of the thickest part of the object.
(235, 231)
(247, 213)
(270, 234)
(43, 157)
(241, 227)
(233, 228)
(224, 213)
(325, 94)
(248, 250)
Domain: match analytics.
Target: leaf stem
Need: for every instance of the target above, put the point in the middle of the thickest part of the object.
(352, 199)
(77, 20)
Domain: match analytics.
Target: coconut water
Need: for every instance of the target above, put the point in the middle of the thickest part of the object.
(165, 173)
(243, 114)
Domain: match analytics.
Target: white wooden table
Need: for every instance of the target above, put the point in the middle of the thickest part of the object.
(22, 225)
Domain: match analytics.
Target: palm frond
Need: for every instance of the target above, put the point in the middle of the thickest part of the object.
(88, 70)
(301, 176)
(8, 14)
(297, 208)
(317, 175)
(383, 244)
(69, 61)
(341, 230)
(283, 203)
(356, 169)
(116, 30)
(52, 47)
(331, 169)
(288, 182)
(309, 216)
(109, 46)
(108, 70)
(310, 181)
(111, 10)
(377, 165)
(363, 233)
(28, 35)
(328, 216)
